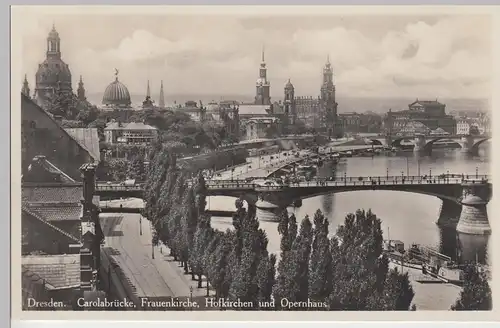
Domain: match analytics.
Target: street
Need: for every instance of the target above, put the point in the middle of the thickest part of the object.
(132, 252)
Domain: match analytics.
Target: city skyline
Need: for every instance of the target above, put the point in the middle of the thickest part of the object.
(372, 56)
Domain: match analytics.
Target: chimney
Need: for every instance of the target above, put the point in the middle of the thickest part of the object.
(58, 118)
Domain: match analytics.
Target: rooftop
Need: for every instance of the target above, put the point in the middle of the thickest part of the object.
(35, 215)
(427, 103)
(88, 138)
(254, 109)
(129, 126)
(58, 271)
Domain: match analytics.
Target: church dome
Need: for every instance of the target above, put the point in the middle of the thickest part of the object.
(53, 71)
(116, 94)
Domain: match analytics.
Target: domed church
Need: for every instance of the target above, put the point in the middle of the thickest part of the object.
(53, 73)
(116, 94)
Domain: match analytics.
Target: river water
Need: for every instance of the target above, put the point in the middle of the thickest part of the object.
(408, 217)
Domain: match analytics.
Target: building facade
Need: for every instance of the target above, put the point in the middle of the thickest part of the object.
(53, 73)
(308, 111)
(129, 133)
(432, 114)
(349, 122)
(262, 128)
(263, 87)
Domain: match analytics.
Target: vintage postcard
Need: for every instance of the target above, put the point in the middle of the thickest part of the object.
(319, 160)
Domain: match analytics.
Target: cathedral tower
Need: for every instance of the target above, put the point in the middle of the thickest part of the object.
(81, 90)
(328, 103)
(53, 73)
(263, 95)
(26, 88)
(289, 103)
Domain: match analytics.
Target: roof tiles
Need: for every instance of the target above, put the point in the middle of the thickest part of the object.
(60, 271)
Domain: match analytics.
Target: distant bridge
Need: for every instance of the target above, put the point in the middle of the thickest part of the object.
(423, 143)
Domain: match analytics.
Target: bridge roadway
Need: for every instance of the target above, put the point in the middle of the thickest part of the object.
(443, 186)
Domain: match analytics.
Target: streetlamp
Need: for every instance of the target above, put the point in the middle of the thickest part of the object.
(387, 173)
(477, 172)
(407, 168)
(140, 225)
(430, 173)
(191, 296)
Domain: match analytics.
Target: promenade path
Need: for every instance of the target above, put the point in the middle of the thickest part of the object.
(143, 276)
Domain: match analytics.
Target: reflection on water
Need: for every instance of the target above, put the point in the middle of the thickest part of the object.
(408, 217)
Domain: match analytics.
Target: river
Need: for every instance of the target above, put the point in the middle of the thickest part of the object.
(408, 217)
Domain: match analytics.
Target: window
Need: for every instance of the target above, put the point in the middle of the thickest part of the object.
(33, 124)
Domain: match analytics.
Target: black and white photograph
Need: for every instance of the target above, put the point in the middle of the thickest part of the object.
(253, 160)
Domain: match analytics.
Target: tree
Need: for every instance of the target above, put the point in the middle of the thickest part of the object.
(476, 293)
(136, 169)
(245, 282)
(63, 103)
(285, 286)
(201, 240)
(217, 255)
(360, 279)
(320, 274)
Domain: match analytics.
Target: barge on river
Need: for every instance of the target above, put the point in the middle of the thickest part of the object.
(426, 259)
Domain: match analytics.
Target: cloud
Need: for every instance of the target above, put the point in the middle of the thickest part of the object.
(221, 54)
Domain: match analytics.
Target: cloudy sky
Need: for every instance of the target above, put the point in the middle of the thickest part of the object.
(387, 56)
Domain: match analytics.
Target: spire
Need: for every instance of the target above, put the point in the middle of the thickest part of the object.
(26, 88)
(162, 97)
(328, 59)
(148, 92)
(53, 43)
(81, 90)
(116, 74)
(263, 52)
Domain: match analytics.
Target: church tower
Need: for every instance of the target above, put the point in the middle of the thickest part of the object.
(328, 103)
(53, 73)
(162, 96)
(289, 103)
(26, 88)
(148, 103)
(262, 94)
(81, 90)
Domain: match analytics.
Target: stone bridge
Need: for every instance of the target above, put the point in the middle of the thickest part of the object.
(460, 194)
(423, 144)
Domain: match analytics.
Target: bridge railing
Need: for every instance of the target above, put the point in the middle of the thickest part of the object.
(338, 181)
(452, 179)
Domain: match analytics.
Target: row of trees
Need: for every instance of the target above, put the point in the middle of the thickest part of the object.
(348, 275)
(315, 271)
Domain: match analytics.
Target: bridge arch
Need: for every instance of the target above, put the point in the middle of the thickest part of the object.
(430, 143)
(376, 142)
(475, 146)
(397, 142)
(449, 195)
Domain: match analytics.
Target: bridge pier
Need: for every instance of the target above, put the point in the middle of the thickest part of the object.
(449, 212)
(474, 217)
(467, 143)
(270, 206)
(419, 143)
